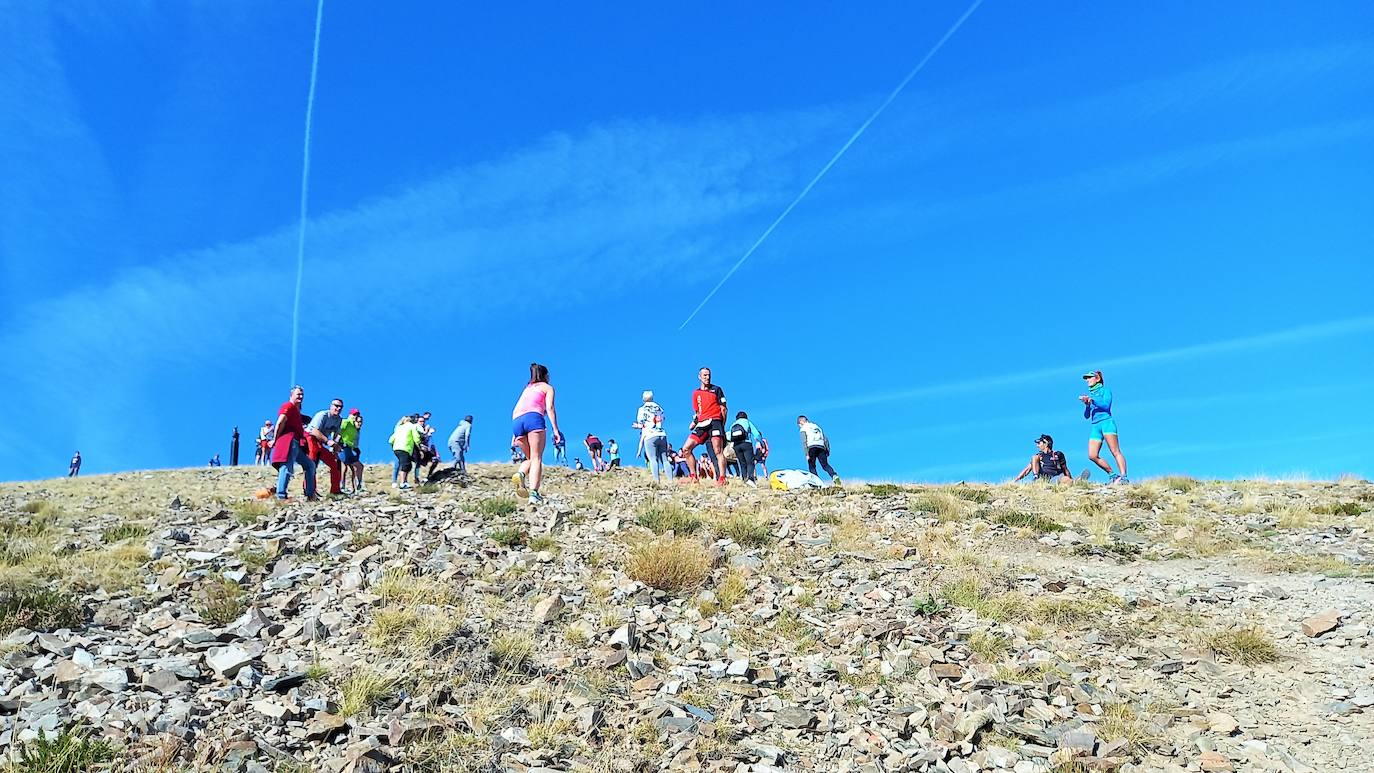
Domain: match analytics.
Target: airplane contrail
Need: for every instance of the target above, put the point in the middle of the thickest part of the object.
(305, 189)
(852, 138)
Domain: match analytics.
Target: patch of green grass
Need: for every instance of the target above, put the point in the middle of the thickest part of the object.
(429, 488)
(250, 511)
(884, 489)
(662, 517)
(363, 539)
(1181, 483)
(124, 531)
(71, 751)
(509, 536)
(991, 647)
(1016, 519)
(1246, 645)
(221, 603)
(511, 651)
(747, 530)
(497, 507)
(827, 519)
(252, 558)
(978, 496)
(1339, 508)
(39, 610)
(544, 542)
(930, 606)
(364, 688)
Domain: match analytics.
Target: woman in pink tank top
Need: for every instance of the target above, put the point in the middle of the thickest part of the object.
(530, 431)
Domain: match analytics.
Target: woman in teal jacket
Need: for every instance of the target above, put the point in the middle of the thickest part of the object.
(1097, 409)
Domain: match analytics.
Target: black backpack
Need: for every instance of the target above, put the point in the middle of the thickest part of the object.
(738, 434)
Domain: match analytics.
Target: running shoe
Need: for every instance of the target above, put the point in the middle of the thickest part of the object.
(521, 489)
(536, 498)
(1113, 478)
(1123, 481)
(405, 485)
(722, 482)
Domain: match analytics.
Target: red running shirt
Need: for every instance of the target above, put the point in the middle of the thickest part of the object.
(709, 403)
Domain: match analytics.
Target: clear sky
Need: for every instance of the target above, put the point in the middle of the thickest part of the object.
(1179, 194)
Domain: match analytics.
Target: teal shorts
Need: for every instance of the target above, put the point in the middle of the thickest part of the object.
(1104, 427)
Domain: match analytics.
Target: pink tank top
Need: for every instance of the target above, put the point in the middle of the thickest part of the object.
(531, 401)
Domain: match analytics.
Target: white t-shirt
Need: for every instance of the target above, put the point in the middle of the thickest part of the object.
(650, 419)
(813, 435)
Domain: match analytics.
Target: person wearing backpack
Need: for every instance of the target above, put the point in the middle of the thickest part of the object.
(653, 438)
(743, 436)
(817, 447)
(1046, 464)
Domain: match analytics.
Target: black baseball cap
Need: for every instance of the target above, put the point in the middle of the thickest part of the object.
(1049, 441)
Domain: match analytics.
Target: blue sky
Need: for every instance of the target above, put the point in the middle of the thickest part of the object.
(1179, 195)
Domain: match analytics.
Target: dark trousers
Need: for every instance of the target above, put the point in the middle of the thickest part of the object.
(819, 454)
(744, 454)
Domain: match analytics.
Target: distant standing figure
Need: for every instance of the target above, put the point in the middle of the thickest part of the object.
(531, 421)
(404, 440)
(761, 455)
(265, 435)
(649, 422)
(744, 435)
(425, 452)
(560, 449)
(817, 447)
(516, 455)
(322, 439)
(74, 468)
(1097, 409)
(214, 461)
(459, 442)
(614, 450)
(288, 446)
(593, 444)
(708, 426)
(1046, 464)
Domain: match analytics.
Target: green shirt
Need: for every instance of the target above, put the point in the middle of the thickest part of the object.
(348, 433)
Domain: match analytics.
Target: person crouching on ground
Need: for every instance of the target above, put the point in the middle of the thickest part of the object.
(1046, 464)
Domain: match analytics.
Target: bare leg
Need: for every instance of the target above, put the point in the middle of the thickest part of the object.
(690, 457)
(718, 446)
(534, 443)
(1094, 446)
(524, 443)
(1114, 445)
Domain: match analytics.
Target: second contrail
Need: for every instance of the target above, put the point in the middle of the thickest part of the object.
(855, 136)
(305, 190)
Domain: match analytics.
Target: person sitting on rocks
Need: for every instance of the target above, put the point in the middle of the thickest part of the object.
(1046, 464)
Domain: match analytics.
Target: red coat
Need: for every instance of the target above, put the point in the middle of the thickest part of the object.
(292, 428)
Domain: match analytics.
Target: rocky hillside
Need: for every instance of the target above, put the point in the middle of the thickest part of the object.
(168, 621)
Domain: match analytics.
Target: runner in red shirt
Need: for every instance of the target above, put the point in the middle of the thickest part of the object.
(288, 449)
(708, 423)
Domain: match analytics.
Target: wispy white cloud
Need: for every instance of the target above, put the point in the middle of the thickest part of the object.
(1289, 337)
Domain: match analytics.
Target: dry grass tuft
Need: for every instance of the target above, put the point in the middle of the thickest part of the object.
(944, 506)
(750, 531)
(365, 688)
(221, 602)
(669, 564)
(511, 651)
(401, 586)
(1246, 645)
(664, 517)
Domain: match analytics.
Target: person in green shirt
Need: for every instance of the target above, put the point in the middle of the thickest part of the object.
(404, 440)
(350, 453)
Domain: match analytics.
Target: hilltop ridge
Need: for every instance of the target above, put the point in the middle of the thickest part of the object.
(170, 621)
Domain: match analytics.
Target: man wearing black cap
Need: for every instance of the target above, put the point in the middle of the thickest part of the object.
(1046, 464)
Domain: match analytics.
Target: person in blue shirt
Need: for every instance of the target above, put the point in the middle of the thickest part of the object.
(1097, 409)
(744, 436)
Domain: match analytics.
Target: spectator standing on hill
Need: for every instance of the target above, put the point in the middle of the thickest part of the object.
(404, 440)
(264, 453)
(1046, 464)
(817, 448)
(560, 449)
(74, 468)
(708, 426)
(649, 422)
(532, 419)
(350, 452)
(321, 439)
(614, 450)
(761, 455)
(288, 446)
(744, 435)
(593, 444)
(1097, 409)
(458, 444)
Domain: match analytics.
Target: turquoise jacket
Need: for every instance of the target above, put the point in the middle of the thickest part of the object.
(1099, 408)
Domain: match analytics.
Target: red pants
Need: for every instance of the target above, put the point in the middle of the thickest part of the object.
(321, 454)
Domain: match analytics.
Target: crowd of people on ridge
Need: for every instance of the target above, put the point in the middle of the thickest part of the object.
(738, 448)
